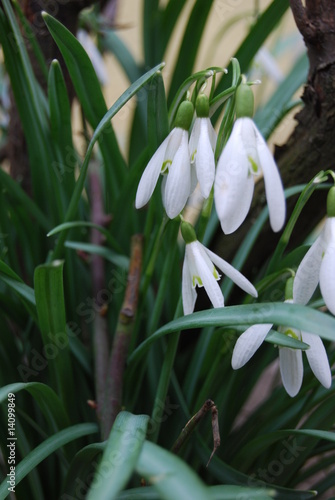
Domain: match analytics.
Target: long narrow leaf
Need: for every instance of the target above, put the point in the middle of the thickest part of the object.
(120, 456)
(170, 476)
(45, 449)
(52, 321)
(297, 316)
(128, 94)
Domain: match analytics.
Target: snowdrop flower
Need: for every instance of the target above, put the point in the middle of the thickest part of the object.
(246, 155)
(172, 159)
(199, 269)
(202, 146)
(318, 265)
(290, 360)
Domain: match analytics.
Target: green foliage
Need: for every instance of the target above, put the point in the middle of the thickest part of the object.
(66, 259)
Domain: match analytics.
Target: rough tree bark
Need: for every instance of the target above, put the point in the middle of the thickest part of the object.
(311, 147)
(67, 12)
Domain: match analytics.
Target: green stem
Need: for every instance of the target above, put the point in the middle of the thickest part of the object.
(164, 380)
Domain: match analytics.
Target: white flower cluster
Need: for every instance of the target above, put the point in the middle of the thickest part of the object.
(187, 160)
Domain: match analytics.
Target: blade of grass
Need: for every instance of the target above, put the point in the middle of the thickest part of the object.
(45, 449)
(120, 456)
(50, 306)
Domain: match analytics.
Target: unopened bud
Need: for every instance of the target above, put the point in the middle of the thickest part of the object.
(202, 106)
(244, 101)
(184, 115)
(187, 232)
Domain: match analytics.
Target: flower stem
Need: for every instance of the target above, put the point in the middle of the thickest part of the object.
(164, 379)
(114, 382)
(100, 331)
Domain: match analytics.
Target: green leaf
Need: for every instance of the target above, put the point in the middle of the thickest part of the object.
(128, 94)
(281, 340)
(88, 90)
(121, 454)
(45, 397)
(45, 449)
(189, 47)
(119, 260)
(32, 106)
(268, 116)
(294, 315)
(50, 306)
(60, 113)
(158, 122)
(69, 225)
(261, 443)
(307, 192)
(20, 198)
(24, 292)
(220, 492)
(81, 466)
(169, 475)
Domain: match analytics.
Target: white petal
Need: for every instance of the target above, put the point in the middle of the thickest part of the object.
(328, 232)
(211, 133)
(205, 270)
(327, 269)
(308, 272)
(150, 175)
(204, 160)
(194, 138)
(188, 292)
(233, 186)
(273, 185)
(318, 359)
(248, 343)
(232, 273)
(178, 184)
(291, 369)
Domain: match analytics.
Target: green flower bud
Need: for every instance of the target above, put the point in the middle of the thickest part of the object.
(184, 115)
(289, 289)
(187, 232)
(202, 106)
(244, 101)
(331, 202)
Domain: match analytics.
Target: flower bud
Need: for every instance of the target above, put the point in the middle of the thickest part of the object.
(244, 101)
(331, 202)
(184, 115)
(187, 232)
(202, 106)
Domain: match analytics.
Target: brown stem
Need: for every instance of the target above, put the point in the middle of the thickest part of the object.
(117, 360)
(100, 330)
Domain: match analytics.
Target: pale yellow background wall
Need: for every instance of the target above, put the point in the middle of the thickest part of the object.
(216, 49)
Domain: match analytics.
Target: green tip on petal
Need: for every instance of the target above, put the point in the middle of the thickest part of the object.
(184, 115)
(289, 289)
(244, 101)
(331, 202)
(187, 232)
(202, 106)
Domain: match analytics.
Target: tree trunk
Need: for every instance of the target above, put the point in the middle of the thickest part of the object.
(311, 147)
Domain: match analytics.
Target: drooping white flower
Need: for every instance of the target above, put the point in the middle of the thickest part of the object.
(199, 269)
(172, 159)
(291, 365)
(202, 145)
(318, 266)
(246, 155)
